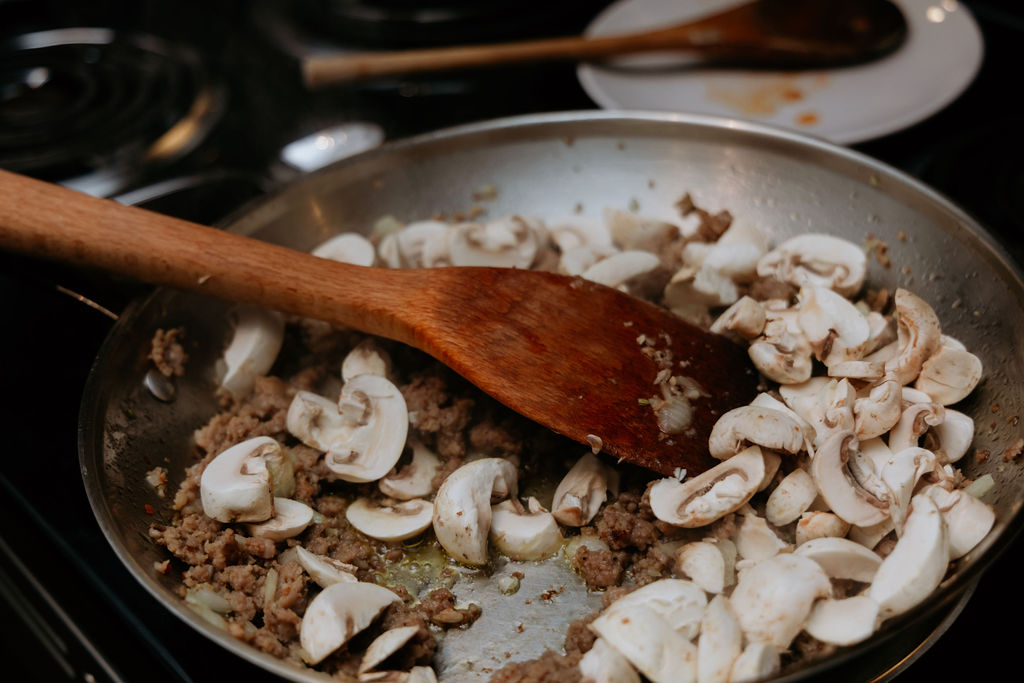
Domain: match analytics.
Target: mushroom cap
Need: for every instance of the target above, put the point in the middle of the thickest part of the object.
(291, 518)
(745, 319)
(373, 438)
(405, 248)
(817, 259)
(949, 375)
(710, 495)
(773, 598)
(913, 423)
(755, 540)
(820, 524)
(337, 613)
(235, 485)
(720, 641)
(462, 507)
(791, 498)
(919, 334)
(843, 494)
(582, 491)
(900, 473)
(642, 636)
(704, 564)
(843, 622)
(415, 480)
(967, 518)
(385, 645)
(347, 247)
(766, 427)
(390, 522)
(842, 558)
(509, 242)
(325, 570)
(679, 603)
(833, 326)
(368, 357)
(955, 434)
(255, 343)
(879, 412)
(916, 565)
(603, 664)
(524, 535)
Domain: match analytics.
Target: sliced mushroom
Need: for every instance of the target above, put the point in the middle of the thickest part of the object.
(766, 427)
(641, 635)
(901, 473)
(857, 369)
(326, 571)
(953, 435)
(917, 564)
(745, 319)
(510, 242)
(255, 343)
(462, 507)
(773, 598)
(949, 375)
(791, 498)
(368, 357)
(704, 563)
(782, 354)
(843, 622)
(842, 558)
(679, 604)
(604, 664)
(524, 534)
(819, 260)
(235, 485)
(712, 494)
(415, 480)
(720, 641)
(619, 268)
(576, 260)
(879, 411)
(919, 334)
(348, 247)
(967, 518)
(629, 230)
(755, 540)
(394, 522)
(701, 286)
(757, 662)
(820, 524)
(582, 491)
(915, 420)
(833, 326)
(385, 645)
(404, 248)
(841, 491)
(291, 517)
(870, 536)
(337, 613)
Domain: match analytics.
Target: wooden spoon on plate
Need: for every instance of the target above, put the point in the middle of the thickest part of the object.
(764, 33)
(565, 352)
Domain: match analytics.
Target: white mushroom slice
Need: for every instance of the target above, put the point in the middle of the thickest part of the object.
(375, 430)
(582, 491)
(901, 472)
(629, 230)
(791, 498)
(415, 479)
(879, 412)
(315, 420)
(758, 661)
(339, 612)
(772, 463)
(871, 536)
(745, 319)
(735, 260)
(348, 247)
(720, 642)
(803, 397)
(842, 558)
(843, 622)
(844, 494)
(766, 427)
(618, 269)
(833, 326)
(817, 259)
(915, 420)
(883, 333)
(404, 248)
(255, 342)
(765, 400)
(678, 603)
(643, 637)
(531, 534)
(700, 286)
(911, 396)
(385, 645)
(949, 375)
(916, 565)
(604, 664)
(510, 242)
(577, 260)
(919, 334)
(235, 485)
(367, 358)
(704, 564)
(710, 495)
(755, 540)
(954, 435)
(326, 571)
(857, 369)
(967, 518)
(291, 518)
(462, 507)
(390, 523)
(421, 674)
(820, 524)
(781, 354)
(773, 598)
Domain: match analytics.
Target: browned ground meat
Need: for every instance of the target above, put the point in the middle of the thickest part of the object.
(551, 667)
(599, 568)
(624, 524)
(438, 607)
(167, 353)
(579, 638)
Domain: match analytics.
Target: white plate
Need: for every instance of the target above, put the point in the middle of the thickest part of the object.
(938, 60)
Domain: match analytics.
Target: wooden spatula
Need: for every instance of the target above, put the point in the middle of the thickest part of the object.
(764, 33)
(566, 353)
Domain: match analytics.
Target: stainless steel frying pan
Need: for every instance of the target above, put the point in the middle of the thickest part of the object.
(558, 165)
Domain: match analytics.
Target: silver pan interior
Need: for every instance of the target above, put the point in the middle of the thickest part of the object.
(551, 166)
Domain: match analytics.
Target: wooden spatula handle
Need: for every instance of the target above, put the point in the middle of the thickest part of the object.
(54, 222)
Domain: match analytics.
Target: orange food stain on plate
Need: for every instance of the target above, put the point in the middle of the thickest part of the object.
(765, 95)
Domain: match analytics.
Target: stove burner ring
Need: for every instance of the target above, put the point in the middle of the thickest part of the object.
(90, 108)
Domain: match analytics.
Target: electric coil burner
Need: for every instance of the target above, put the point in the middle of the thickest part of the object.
(94, 109)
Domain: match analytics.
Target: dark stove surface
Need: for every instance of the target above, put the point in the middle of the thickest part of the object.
(74, 612)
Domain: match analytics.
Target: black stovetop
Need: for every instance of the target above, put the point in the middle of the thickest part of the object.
(76, 612)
